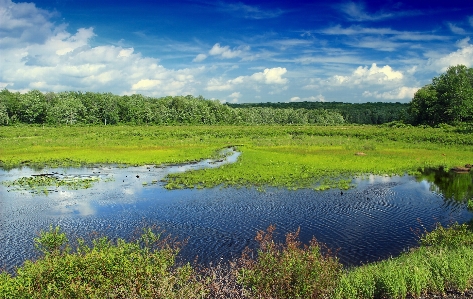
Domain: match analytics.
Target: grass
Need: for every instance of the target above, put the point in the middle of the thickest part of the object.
(442, 262)
(283, 156)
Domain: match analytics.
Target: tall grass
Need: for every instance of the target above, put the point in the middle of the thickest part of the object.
(146, 268)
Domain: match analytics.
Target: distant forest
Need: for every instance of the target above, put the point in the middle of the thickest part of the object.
(360, 113)
(69, 108)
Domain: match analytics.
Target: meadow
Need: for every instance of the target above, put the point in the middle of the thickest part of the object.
(289, 156)
(282, 156)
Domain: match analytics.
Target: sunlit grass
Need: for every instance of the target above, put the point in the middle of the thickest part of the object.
(282, 156)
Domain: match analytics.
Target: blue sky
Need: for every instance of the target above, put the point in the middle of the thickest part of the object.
(234, 51)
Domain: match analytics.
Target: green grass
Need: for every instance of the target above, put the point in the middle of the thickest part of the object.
(443, 262)
(282, 156)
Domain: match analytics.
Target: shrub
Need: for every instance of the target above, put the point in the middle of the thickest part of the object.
(288, 270)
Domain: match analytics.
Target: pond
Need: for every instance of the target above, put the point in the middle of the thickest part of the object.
(380, 217)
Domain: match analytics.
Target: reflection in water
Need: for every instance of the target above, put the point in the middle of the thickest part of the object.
(452, 185)
(370, 222)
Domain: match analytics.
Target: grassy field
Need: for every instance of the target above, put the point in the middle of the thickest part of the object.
(283, 156)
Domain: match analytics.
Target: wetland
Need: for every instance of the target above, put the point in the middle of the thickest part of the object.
(114, 181)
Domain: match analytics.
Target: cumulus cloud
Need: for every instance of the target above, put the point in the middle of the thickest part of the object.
(226, 52)
(364, 75)
(400, 93)
(268, 76)
(271, 76)
(234, 97)
(37, 53)
(464, 55)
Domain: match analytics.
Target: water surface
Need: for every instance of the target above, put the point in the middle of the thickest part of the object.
(379, 218)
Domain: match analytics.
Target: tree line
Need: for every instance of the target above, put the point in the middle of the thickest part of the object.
(356, 113)
(447, 100)
(69, 108)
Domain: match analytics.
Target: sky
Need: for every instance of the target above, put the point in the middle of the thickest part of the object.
(234, 51)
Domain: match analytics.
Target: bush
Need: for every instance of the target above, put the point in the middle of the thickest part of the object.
(141, 269)
(288, 270)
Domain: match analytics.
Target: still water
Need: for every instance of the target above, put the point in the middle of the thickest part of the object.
(379, 218)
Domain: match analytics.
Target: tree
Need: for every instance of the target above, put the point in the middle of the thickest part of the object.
(449, 99)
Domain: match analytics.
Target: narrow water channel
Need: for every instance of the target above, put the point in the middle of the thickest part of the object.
(379, 218)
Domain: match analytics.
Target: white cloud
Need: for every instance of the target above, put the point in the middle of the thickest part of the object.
(271, 76)
(217, 85)
(455, 29)
(36, 53)
(199, 58)
(318, 98)
(464, 55)
(268, 76)
(470, 20)
(23, 23)
(145, 84)
(234, 97)
(400, 93)
(365, 75)
(224, 52)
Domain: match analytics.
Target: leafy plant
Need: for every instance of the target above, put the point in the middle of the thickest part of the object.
(288, 270)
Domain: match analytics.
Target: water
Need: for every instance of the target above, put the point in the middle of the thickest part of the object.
(379, 218)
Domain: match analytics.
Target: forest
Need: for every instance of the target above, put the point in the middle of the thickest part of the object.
(35, 107)
(69, 108)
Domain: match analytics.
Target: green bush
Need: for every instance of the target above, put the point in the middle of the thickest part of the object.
(141, 269)
(288, 270)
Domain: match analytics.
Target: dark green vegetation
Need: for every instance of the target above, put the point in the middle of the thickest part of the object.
(360, 113)
(146, 268)
(448, 99)
(456, 186)
(90, 108)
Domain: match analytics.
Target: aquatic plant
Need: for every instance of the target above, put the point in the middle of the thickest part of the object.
(42, 183)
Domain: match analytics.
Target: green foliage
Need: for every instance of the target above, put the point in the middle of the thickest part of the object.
(288, 270)
(72, 107)
(443, 262)
(52, 242)
(144, 268)
(449, 99)
(455, 186)
(40, 184)
(358, 113)
(453, 236)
